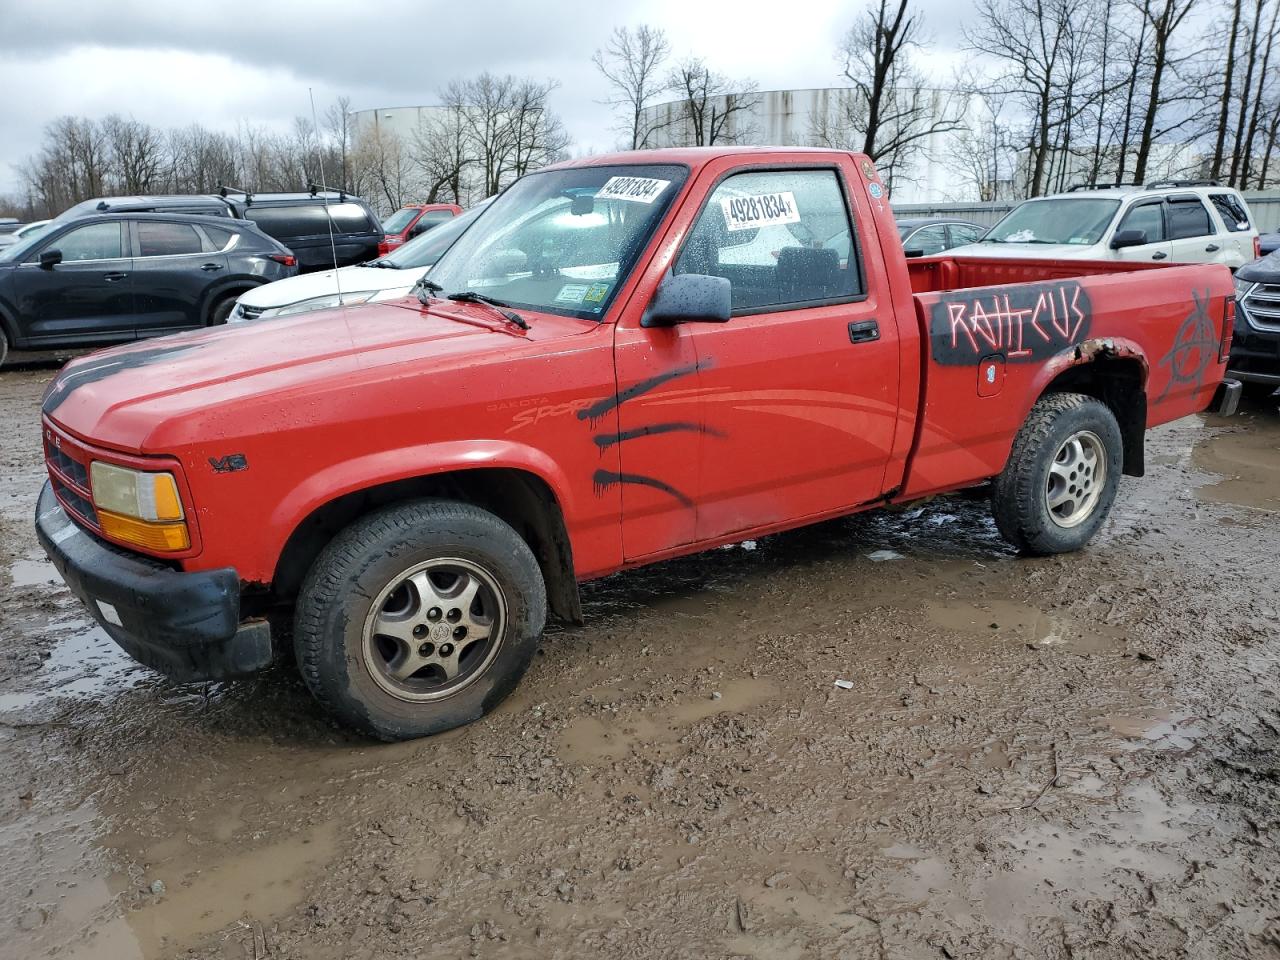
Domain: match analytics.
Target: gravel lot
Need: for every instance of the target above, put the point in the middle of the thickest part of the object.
(1062, 758)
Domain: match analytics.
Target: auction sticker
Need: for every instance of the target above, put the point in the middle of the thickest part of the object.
(635, 189)
(571, 293)
(762, 210)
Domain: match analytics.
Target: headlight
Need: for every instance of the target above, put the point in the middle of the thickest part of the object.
(1243, 287)
(319, 303)
(139, 507)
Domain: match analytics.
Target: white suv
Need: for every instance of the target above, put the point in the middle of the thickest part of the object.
(1179, 221)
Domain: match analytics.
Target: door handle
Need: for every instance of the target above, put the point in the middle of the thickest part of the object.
(210, 266)
(113, 277)
(864, 331)
(1159, 256)
(1212, 248)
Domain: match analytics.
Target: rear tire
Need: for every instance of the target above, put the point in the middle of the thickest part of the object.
(419, 618)
(222, 310)
(4, 348)
(1062, 475)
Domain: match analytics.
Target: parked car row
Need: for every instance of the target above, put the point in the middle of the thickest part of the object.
(72, 282)
(113, 269)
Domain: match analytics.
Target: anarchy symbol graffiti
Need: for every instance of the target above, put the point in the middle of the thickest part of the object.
(1195, 346)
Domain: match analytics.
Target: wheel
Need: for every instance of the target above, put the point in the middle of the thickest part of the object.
(221, 310)
(1062, 475)
(419, 618)
(4, 348)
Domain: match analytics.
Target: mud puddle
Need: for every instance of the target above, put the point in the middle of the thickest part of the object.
(1247, 456)
(85, 663)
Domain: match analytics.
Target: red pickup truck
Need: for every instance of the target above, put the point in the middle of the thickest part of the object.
(626, 358)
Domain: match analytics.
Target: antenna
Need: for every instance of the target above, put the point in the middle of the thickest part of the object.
(333, 247)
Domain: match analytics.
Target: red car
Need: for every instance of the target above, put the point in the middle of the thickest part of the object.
(623, 359)
(408, 222)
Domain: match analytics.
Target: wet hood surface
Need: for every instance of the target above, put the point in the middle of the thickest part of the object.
(118, 397)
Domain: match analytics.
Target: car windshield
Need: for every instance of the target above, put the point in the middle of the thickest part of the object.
(399, 220)
(20, 249)
(1080, 220)
(425, 249)
(561, 241)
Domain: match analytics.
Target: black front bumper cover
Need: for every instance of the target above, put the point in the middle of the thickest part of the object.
(185, 625)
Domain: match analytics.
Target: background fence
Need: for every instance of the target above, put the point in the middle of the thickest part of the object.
(1264, 205)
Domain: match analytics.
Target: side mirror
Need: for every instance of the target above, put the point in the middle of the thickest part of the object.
(1128, 238)
(50, 259)
(690, 298)
(913, 252)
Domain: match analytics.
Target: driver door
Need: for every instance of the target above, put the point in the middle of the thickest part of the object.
(88, 297)
(1147, 216)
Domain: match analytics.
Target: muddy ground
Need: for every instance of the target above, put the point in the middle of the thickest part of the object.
(1062, 758)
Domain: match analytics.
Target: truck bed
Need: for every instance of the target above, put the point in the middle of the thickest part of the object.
(997, 332)
(935, 274)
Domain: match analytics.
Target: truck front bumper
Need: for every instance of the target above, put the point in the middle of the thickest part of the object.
(185, 625)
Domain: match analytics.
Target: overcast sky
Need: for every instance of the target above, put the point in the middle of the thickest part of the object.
(170, 63)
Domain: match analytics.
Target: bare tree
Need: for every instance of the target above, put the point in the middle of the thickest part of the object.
(1164, 18)
(712, 108)
(894, 111)
(385, 166)
(337, 120)
(442, 153)
(631, 62)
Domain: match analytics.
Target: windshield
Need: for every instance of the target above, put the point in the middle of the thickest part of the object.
(20, 249)
(561, 241)
(1061, 220)
(425, 249)
(399, 220)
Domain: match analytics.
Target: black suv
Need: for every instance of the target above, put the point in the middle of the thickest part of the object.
(108, 278)
(1255, 345)
(300, 221)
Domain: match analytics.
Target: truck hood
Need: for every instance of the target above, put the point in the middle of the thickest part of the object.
(307, 286)
(139, 398)
(1028, 251)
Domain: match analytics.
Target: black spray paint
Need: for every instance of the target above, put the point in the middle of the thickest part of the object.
(1026, 322)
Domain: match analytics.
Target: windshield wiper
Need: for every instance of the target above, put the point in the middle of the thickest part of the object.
(387, 264)
(426, 289)
(991, 240)
(470, 296)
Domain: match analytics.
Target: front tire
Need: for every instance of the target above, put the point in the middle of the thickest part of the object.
(1062, 475)
(4, 348)
(419, 618)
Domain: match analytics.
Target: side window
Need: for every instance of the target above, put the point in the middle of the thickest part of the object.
(216, 239)
(350, 218)
(1146, 217)
(158, 239)
(94, 241)
(1188, 218)
(290, 222)
(1234, 216)
(781, 238)
(930, 241)
(962, 233)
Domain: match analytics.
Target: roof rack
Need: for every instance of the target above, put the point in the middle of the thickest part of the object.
(1100, 186)
(1160, 184)
(318, 188)
(223, 190)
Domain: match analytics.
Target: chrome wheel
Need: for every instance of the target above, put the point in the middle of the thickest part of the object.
(1077, 476)
(433, 629)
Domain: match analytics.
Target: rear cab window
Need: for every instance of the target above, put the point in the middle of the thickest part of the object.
(783, 238)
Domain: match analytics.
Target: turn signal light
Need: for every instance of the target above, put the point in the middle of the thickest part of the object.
(157, 537)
